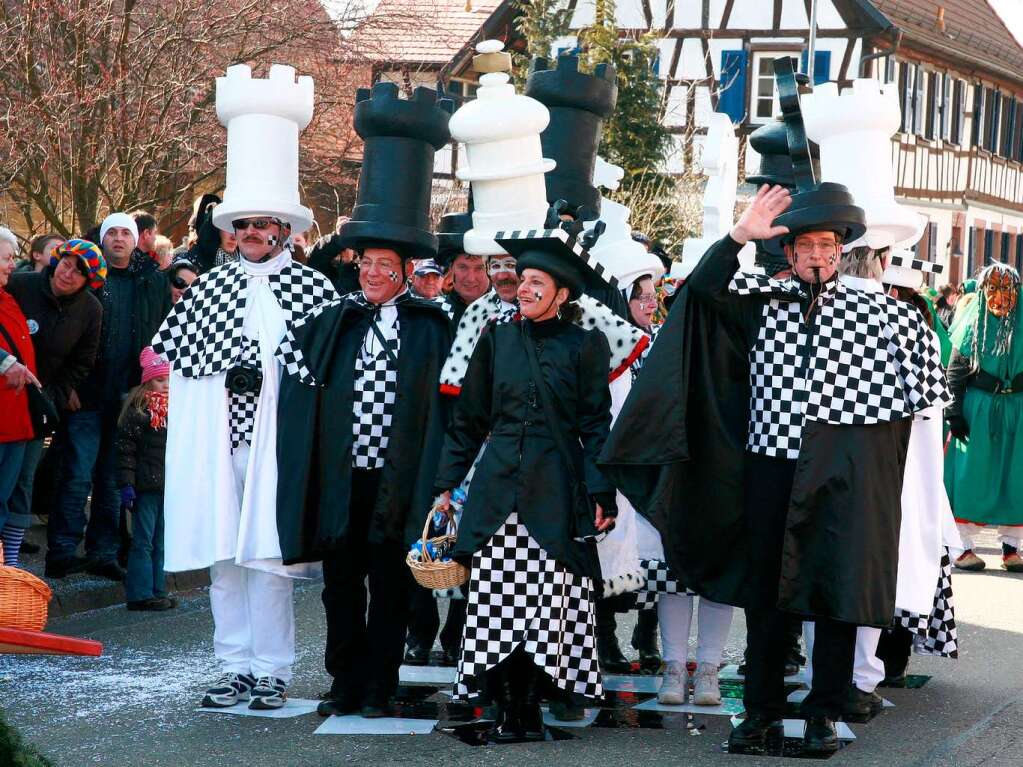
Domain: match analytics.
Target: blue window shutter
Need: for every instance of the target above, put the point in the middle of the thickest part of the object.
(732, 99)
(989, 245)
(821, 65)
(1019, 252)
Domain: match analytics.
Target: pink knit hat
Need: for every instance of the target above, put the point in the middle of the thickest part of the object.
(153, 365)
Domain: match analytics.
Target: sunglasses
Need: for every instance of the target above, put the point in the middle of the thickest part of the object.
(179, 282)
(260, 224)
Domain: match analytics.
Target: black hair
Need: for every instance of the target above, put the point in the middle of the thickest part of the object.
(144, 220)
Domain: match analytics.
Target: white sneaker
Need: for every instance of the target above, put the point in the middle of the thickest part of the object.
(269, 693)
(706, 691)
(229, 690)
(674, 684)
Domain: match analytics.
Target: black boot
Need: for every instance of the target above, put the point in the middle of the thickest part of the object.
(754, 733)
(820, 736)
(609, 654)
(530, 715)
(501, 685)
(644, 639)
(861, 706)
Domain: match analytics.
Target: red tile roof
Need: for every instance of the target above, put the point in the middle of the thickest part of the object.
(973, 32)
(423, 31)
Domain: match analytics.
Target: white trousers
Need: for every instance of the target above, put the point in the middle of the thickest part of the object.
(1010, 534)
(675, 615)
(253, 620)
(868, 669)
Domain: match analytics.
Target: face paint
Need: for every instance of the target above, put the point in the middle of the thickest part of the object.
(1000, 293)
(498, 265)
(537, 295)
(393, 276)
(271, 241)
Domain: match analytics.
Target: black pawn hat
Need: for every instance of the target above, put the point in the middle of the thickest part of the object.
(579, 104)
(401, 136)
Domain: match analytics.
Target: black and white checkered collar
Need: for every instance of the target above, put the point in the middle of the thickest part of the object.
(753, 284)
(359, 299)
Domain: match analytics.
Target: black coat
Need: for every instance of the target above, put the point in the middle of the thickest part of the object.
(141, 452)
(684, 468)
(67, 335)
(522, 469)
(314, 431)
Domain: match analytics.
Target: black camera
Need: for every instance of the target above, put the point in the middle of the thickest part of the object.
(244, 379)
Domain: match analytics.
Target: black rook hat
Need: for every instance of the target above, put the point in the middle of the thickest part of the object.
(401, 136)
(579, 103)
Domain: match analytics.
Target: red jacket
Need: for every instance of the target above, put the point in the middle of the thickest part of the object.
(15, 425)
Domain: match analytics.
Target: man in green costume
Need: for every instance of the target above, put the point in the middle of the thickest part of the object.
(986, 418)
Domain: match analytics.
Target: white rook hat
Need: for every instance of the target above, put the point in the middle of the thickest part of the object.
(263, 119)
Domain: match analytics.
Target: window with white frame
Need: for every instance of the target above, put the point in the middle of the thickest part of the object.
(763, 91)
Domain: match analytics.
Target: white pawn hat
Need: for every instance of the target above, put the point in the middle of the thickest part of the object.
(501, 132)
(263, 118)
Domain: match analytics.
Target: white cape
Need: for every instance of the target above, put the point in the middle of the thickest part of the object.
(207, 518)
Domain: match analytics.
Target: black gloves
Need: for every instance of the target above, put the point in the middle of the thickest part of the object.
(959, 427)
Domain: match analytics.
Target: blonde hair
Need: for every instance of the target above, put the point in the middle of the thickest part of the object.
(136, 400)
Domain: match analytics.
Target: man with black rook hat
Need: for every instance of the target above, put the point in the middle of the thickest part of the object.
(360, 418)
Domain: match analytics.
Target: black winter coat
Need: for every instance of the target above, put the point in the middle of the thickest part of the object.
(141, 452)
(66, 335)
(522, 469)
(314, 431)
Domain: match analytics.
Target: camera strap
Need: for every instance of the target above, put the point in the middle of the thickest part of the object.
(380, 337)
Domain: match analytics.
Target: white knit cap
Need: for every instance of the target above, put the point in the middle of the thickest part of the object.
(118, 219)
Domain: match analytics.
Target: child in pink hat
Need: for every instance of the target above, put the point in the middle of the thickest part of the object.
(141, 447)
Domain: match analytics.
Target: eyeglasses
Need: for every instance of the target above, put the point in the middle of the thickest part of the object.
(496, 266)
(807, 247)
(647, 300)
(241, 224)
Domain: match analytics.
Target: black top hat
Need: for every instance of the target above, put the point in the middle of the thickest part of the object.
(827, 207)
(450, 236)
(401, 136)
(560, 255)
(579, 104)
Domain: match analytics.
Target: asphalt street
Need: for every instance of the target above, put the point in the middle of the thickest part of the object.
(137, 704)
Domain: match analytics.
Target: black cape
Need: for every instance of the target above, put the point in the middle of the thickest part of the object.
(314, 430)
(677, 452)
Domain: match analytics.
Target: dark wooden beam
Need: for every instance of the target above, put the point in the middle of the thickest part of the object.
(776, 16)
(727, 14)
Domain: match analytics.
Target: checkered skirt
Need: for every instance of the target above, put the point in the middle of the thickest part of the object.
(935, 634)
(659, 580)
(518, 595)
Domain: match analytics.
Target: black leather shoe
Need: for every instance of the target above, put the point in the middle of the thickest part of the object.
(820, 737)
(448, 657)
(27, 547)
(507, 723)
(339, 706)
(62, 568)
(754, 733)
(861, 706)
(375, 707)
(417, 655)
(609, 654)
(154, 604)
(108, 569)
(644, 641)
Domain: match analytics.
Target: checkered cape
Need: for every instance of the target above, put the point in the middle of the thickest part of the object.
(935, 634)
(659, 580)
(518, 595)
(202, 335)
(868, 358)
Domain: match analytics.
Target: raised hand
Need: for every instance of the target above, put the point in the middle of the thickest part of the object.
(756, 221)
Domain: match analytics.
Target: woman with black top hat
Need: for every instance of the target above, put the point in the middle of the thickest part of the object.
(538, 387)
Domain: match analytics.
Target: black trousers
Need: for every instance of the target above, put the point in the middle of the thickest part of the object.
(364, 649)
(894, 649)
(424, 621)
(769, 485)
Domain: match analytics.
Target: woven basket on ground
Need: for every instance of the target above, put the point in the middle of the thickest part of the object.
(432, 574)
(24, 599)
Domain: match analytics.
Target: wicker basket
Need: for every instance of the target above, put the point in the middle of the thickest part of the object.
(431, 574)
(24, 599)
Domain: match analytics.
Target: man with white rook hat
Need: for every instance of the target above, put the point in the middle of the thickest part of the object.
(220, 338)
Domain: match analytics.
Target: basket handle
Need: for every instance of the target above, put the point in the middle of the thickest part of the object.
(426, 533)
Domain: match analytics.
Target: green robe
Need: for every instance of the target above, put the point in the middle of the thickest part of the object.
(984, 477)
